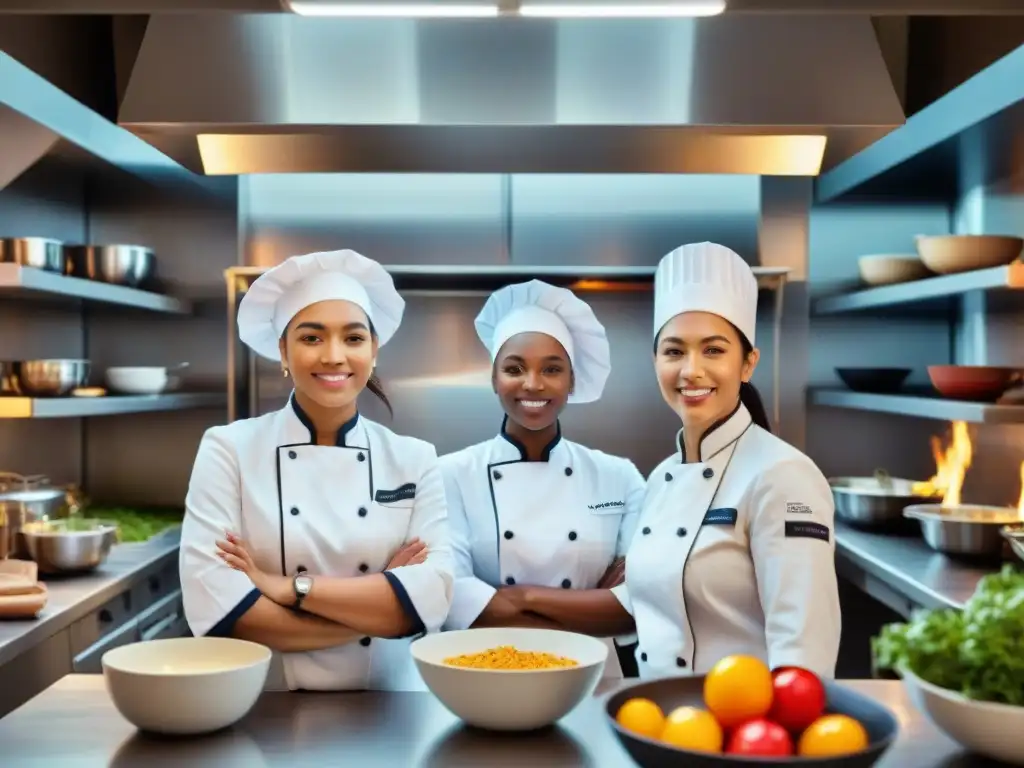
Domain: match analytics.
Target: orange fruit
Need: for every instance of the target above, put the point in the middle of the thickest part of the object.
(738, 688)
(692, 728)
(641, 716)
(832, 735)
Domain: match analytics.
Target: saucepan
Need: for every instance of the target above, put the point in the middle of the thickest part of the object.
(25, 499)
(875, 502)
(971, 530)
(130, 265)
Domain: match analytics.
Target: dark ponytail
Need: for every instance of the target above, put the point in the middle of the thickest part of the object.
(749, 395)
(377, 390)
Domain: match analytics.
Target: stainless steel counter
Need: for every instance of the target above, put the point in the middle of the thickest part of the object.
(367, 729)
(74, 597)
(902, 572)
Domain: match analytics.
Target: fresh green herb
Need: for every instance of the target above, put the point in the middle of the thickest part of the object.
(136, 525)
(978, 652)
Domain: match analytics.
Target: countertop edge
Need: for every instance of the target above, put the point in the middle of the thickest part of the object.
(901, 582)
(48, 625)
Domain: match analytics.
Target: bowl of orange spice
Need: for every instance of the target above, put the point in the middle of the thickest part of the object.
(510, 679)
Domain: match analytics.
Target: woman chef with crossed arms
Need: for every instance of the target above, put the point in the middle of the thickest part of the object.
(539, 523)
(733, 553)
(313, 530)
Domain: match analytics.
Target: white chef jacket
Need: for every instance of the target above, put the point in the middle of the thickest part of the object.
(339, 511)
(734, 554)
(558, 522)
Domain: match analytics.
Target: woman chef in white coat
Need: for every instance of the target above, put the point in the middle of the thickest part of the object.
(312, 529)
(734, 548)
(537, 521)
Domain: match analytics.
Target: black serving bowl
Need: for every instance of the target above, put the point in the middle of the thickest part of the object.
(875, 380)
(672, 692)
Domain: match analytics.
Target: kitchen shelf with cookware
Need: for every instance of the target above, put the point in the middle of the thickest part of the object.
(42, 268)
(944, 267)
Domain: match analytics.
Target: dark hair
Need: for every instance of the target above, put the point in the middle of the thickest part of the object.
(374, 383)
(749, 395)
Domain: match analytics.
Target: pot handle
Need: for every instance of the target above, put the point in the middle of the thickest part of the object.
(21, 482)
(916, 514)
(883, 478)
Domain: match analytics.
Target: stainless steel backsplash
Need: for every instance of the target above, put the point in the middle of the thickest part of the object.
(436, 371)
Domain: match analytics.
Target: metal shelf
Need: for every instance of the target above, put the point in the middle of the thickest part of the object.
(16, 280)
(919, 406)
(462, 278)
(36, 98)
(109, 405)
(923, 292)
(973, 126)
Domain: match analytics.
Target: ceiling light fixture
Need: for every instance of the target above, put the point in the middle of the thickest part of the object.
(620, 9)
(404, 9)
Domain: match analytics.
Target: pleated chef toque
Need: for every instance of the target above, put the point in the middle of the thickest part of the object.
(280, 293)
(538, 307)
(706, 277)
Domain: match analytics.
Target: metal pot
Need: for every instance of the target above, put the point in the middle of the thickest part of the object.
(873, 502)
(1014, 534)
(45, 378)
(30, 499)
(968, 529)
(130, 265)
(38, 252)
(66, 546)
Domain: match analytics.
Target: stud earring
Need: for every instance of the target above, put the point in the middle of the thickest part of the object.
(284, 371)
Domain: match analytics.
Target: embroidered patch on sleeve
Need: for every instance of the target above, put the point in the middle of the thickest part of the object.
(722, 516)
(796, 508)
(801, 530)
(401, 493)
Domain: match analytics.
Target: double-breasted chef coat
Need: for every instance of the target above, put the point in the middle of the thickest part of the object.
(558, 522)
(340, 511)
(734, 554)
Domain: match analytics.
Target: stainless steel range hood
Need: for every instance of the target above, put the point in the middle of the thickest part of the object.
(283, 94)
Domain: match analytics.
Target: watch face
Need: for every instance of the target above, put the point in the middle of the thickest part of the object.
(303, 584)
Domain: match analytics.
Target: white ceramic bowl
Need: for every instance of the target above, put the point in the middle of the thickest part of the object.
(510, 700)
(988, 729)
(186, 685)
(137, 380)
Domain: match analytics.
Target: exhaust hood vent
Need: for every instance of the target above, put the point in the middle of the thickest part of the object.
(768, 95)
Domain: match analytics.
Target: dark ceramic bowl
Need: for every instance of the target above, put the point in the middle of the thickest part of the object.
(875, 380)
(672, 692)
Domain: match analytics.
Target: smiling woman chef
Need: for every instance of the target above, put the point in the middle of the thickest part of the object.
(734, 552)
(538, 521)
(311, 529)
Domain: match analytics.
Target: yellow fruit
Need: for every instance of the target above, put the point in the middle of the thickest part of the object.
(738, 688)
(832, 735)
(692, 728)
(641, 716)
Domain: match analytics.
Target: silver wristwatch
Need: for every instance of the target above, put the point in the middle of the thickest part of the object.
(301, 584)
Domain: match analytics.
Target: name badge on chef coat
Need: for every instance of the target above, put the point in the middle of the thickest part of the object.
(722, 516)
(401, 493)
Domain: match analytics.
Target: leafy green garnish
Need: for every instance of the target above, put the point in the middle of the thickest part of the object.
(977, 651)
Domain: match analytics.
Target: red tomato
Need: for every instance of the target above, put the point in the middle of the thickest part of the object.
(760, 738)
(798, 698)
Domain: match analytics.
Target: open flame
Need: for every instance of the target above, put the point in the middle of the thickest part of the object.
(951, 465)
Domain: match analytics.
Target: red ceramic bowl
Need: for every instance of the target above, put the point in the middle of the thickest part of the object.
(972, 382)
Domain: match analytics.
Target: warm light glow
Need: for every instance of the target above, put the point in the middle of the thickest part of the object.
(1020, 501)
(404, 10)
(621, 10)
(695, 150)
(951, 465)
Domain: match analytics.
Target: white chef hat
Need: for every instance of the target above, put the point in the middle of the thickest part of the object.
(706, 277)
(279, 294)
(537, 307)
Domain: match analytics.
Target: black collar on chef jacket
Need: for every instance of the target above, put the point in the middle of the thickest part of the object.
(307, 422)
(719, 435)
(545, 455)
